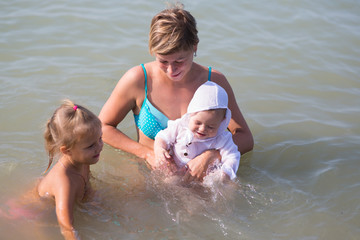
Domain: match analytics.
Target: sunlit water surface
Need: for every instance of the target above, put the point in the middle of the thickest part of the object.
(294, 67)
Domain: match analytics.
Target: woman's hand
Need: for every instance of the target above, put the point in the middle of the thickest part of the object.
(196, 168)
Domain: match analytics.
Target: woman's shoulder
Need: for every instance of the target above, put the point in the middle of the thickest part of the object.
(132, 83)
(210, 71)
(218, 77)
(134, 75)
(137, 75)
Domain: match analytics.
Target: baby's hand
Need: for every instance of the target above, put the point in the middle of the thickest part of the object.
(162, 156)
(225, 178)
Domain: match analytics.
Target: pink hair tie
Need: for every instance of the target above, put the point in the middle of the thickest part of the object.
(75, 107)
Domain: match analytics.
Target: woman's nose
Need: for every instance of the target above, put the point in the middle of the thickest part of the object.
(171, 68)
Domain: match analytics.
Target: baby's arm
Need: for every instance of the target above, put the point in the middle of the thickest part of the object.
(163, 146)
(65, 196)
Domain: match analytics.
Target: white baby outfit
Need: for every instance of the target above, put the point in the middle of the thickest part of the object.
(181, 140)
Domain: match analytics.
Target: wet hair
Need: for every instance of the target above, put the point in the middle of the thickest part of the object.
(172, 30)
(69, 123)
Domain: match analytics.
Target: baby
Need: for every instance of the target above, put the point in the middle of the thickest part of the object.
(203, 127)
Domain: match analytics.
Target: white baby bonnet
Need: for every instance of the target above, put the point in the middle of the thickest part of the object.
(210, 96)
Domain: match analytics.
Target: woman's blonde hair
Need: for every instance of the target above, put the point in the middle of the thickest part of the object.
(172, 30)
(69, 123)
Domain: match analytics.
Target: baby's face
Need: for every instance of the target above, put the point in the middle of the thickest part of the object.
(205, 124)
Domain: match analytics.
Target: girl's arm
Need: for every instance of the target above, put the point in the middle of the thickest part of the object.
(126, 96)
(65, 197)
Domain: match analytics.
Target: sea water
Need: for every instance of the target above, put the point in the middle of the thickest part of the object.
(294, 67)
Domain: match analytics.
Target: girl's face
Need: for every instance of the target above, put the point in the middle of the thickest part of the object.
(87, 149)
(205, 124)
(175, 65)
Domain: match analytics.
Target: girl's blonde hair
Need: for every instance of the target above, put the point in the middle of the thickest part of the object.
(69, 123)
(172, 30)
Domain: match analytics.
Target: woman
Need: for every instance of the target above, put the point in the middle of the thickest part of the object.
(161, 90)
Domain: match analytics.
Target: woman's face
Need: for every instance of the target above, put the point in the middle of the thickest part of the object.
(175, 65)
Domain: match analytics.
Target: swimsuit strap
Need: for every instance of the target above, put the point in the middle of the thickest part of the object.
(209, 76)
(142, 65)
(149, 120)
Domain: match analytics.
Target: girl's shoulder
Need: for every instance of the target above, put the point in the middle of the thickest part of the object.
(45, 186)
(56, 179)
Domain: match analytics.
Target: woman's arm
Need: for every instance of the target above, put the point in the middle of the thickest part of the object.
(126, 96)
(242, 135)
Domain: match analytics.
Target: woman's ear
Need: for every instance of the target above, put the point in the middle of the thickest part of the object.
(195, 48)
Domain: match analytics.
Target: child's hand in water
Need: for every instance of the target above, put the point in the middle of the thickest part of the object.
(225, 178)
(168, 167)
(162, 153)
(162, 156)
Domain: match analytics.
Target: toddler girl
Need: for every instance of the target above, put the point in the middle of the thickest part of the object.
(73, 136)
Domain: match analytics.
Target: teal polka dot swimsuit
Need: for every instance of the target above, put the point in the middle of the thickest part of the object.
(150, 120)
